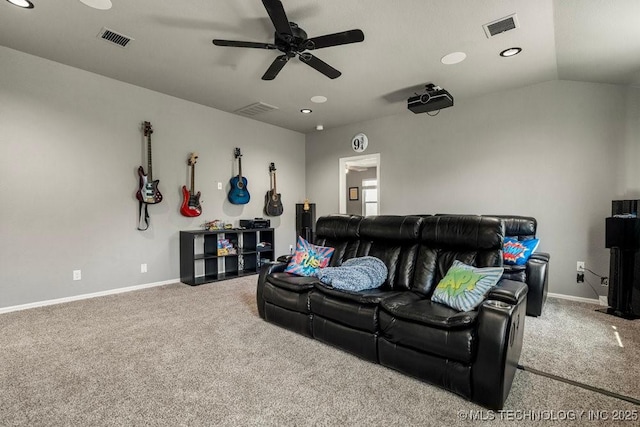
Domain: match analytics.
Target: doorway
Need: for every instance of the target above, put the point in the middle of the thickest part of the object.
(359, 190)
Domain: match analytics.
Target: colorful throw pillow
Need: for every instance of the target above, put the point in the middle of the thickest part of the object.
(308, 258)
(464, 287)
(517, 252)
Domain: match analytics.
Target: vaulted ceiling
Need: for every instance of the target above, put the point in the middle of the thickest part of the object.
(172, 50)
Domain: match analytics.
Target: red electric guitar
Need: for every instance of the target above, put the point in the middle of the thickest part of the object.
(191, 200)
(148, 190)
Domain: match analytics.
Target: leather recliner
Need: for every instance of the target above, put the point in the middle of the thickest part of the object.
(535, 273)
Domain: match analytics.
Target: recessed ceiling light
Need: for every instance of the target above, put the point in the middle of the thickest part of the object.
(512, 51)
(318, 99)
(98, 4)
(306, 111)
(453, 58)
(319, 127)
(26, 4)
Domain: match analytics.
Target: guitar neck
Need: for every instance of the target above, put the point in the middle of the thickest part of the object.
(275, 191)
(149, 169)
(193, 178)
(240, 168)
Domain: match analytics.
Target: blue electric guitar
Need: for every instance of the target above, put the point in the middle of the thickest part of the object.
(239, 195)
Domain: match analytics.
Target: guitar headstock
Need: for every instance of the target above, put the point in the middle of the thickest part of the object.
(193, 158)
(147, 128)
(272, 167)
(237, 153)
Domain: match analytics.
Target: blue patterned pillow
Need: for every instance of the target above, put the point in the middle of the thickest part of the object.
(464, 287)
(308, 258)
(517, 252)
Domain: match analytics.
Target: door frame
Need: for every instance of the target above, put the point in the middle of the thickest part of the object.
(342, 164)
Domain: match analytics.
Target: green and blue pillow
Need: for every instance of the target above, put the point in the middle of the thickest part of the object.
(464, 287)
(518, 252)
(308, 258)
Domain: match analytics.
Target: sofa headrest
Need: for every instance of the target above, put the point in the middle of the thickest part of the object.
(338, 226)
(390, 227)
(521, 226)
(463, 231)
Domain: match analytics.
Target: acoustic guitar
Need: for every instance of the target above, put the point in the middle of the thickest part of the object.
(190, 199)
(148, 189)
(273, 200)
(238, 194)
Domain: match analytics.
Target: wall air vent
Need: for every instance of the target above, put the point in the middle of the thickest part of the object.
(115, 38)
(255, 109)
(501, 25)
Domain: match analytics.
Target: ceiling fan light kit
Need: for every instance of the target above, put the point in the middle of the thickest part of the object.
(292, 41)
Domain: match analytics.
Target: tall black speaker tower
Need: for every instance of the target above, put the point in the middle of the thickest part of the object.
(306, 221)
(623, 239)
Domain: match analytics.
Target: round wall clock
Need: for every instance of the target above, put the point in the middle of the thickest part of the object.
(359, 143)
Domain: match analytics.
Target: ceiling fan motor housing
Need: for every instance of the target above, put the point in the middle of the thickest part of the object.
(294, 42)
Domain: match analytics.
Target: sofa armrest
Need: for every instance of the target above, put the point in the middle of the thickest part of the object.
(542, 256)
(508, 291)
(499, 336)
(537, 280)
(265, 270)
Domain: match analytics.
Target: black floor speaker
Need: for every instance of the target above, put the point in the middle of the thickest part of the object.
(622, 236)
(306, 221)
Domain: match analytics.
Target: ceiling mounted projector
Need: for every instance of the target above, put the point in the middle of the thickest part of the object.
(433, 99)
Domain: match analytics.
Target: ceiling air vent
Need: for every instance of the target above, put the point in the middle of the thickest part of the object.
(115, 38)
(255, 109)
(501, 25)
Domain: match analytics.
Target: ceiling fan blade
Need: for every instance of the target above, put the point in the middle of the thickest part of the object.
(319, 65)
(278, 16)
(235, 43)
(345, 37)
(275, 67)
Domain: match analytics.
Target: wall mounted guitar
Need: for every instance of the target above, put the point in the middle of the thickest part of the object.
(239, 194)
(190, 199)
(148, 189)
(273, 200)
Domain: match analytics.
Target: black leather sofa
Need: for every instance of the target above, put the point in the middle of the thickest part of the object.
(473, 354)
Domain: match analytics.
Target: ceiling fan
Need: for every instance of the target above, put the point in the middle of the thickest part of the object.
(292, 40)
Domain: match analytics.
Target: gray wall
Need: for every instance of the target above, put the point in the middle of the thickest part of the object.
(556, 151)
(70, 146)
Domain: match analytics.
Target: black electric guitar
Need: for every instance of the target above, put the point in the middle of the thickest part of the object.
(190, 199)
(148, 189)
(272, 200)
(238, 194)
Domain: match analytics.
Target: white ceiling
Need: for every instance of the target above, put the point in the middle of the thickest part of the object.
(584, 40)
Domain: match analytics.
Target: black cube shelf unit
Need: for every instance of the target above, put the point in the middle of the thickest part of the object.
(200, 262)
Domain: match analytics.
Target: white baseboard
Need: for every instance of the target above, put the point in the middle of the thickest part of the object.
(579, 299)
(85, 296)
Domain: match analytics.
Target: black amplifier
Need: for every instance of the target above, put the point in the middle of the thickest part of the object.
(255, 223)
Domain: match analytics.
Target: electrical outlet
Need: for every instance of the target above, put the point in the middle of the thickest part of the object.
(580, 278)
(77, 274)
(143, 268)
(580, 266)
(290, 249)
(219, 186)
(604, 281)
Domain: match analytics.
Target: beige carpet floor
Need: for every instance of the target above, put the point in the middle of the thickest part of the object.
(200, 356)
